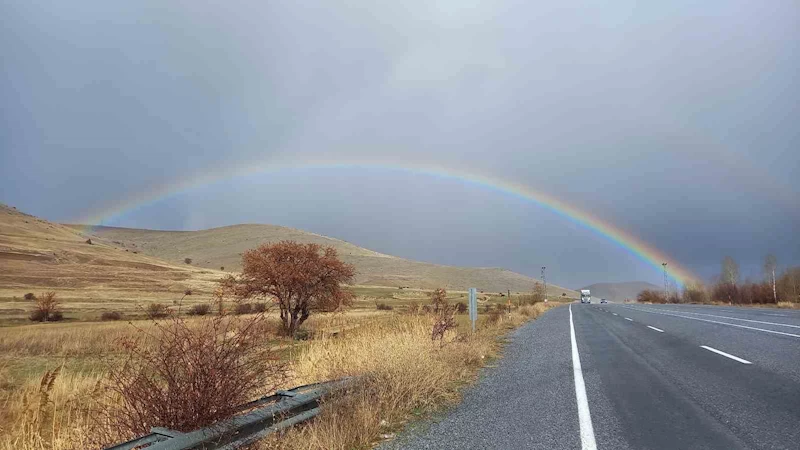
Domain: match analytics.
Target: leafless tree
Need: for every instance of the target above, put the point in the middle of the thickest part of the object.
(730, 271)
(770, 265)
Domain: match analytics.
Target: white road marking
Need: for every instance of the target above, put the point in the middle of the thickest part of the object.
(776, 315)
(628, 318)
(736, 318)
(727, 355)
(584, 416)
(717, 322)
(654, 328)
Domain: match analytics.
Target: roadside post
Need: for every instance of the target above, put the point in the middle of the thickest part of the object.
(473, 306)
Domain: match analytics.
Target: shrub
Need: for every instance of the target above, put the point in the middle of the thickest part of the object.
(46, 308)
(187, 260)
(443, 321)
(184, 376)
(694, 293)
(29, 296)
(89, 241)
(244, 308)
(438, 299)
(650, 296)
(383, 307)
(156, 310)
(461, 308)
(187, 292)
(495, 316)
(260, 307)
(111, 315)
(200, 309)
(222, 268)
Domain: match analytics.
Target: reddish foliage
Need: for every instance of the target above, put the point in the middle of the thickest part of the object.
(185, 375)
(300, 278)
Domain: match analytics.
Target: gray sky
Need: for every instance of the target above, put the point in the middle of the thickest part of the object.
(675, 121)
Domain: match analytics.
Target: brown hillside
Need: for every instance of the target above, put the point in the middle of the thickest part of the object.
(37, 256)
(222, 247)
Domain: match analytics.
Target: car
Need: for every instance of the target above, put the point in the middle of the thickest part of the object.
(602, 300)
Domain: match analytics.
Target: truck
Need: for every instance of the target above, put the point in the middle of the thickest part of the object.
(586, 296)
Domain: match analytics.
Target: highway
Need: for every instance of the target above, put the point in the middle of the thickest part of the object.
(629, 376)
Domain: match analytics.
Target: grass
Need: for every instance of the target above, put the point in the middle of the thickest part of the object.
(401, 367)
(402, 375)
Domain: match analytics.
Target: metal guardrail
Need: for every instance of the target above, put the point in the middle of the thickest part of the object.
(263, 417)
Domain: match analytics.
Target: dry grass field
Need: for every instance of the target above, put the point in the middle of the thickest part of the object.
(49, 371)
(406, 373)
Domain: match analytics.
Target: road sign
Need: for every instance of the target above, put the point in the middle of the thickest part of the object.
(473, 307)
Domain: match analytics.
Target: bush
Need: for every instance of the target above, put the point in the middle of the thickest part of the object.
(694, 294)
(414, 308)
(184, 375)
(187, 292)
(244, 308)
(461, 308)
(383, 307)
(200, 310)
(260, 307)
(650, 296)
(444, 321)
(222, 268)
(29, 296)
(495, 316)
(187, 260)
(156, 310)
(111, 315)
(46, 308)
(89, 241)
(438, 299)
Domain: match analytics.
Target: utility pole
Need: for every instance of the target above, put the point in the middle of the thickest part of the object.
(544, 281)
(666, 292)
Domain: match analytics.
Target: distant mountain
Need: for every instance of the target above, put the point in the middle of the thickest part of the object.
(618, 292)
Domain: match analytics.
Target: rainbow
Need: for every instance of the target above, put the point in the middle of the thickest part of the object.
(623, 239)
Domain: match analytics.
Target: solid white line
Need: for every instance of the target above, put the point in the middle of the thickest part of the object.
(654, 328)
(628, 318)
(727, 355)
(584, 416)
(736, 318)
(714, 321)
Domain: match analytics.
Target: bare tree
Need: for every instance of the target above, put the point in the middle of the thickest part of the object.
(730, 271)
(770, 264)
(46, 308)
(300, 278)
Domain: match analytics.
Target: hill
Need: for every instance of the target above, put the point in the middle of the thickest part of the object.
(618, 292)
(222, 247)
(37, 256)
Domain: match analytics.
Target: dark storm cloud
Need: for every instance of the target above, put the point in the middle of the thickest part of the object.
(673, 120)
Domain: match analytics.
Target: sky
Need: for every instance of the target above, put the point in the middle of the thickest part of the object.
(676, 122)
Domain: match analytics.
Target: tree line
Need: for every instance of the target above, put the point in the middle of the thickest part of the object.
(776, 286)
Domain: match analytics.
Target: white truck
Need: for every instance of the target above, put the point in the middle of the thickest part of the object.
(586, 296)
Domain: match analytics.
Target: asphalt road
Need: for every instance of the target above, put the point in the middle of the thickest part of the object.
(638, 377)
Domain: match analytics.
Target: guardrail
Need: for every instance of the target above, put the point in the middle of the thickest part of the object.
(253, 421)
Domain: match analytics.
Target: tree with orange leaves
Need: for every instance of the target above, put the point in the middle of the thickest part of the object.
(299, 278)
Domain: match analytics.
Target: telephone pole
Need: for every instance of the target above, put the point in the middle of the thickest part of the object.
(544, 281)
(666, 292)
